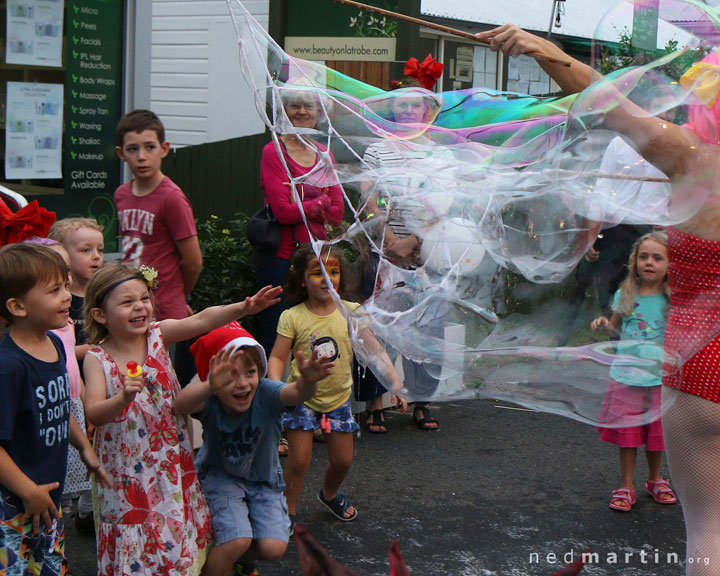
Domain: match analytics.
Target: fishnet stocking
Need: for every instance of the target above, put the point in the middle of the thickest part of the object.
(692, 439)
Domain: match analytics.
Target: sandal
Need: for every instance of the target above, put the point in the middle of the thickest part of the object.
(659, 488)
(283, 447)
(376, 422)
(427, 421)
(338, 506)
(622, 499)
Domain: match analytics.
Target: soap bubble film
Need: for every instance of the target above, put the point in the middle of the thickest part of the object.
(472, 215)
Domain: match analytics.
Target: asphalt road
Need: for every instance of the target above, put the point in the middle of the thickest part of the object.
(497, 491)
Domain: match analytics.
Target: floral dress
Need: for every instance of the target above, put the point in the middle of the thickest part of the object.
(154, 520)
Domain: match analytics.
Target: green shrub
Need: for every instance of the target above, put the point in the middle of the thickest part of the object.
(227, 275)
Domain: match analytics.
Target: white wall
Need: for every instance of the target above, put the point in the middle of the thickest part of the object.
(196, 84)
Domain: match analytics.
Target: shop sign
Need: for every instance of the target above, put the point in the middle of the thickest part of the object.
(321, 30)
(93, 94)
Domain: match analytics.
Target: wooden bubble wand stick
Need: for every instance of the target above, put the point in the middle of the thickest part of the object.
(448, 30)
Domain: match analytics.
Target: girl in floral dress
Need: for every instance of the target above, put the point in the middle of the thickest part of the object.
(155, 519)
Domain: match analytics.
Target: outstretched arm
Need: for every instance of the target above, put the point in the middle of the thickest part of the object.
(514, 41)
(673, 149)
(217, 316)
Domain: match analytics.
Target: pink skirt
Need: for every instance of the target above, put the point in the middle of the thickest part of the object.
(625, 403)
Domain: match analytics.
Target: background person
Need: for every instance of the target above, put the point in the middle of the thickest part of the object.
(639, 315)
(401, 246)
(322, 205)
(157, 224)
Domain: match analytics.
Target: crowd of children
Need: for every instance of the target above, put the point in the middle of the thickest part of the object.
(94, 344)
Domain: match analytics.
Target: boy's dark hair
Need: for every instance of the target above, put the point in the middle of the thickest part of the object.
(251, 354)
(295, 292)
(139, 121)
(24, 265)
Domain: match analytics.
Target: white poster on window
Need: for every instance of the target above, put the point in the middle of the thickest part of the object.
(34, 32)
(33, 130)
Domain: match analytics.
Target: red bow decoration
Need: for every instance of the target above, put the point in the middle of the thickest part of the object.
(31, 220)
(426, 73)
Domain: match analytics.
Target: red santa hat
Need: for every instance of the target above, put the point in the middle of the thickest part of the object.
(231, 336)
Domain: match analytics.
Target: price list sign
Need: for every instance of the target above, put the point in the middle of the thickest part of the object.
(93, 94)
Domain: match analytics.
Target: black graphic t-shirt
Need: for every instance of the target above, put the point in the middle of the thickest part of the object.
(34, 415)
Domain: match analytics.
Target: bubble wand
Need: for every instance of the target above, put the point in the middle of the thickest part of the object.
(448, 30)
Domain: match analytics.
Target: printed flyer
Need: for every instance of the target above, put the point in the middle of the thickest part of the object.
(34, 32)
(33, 130)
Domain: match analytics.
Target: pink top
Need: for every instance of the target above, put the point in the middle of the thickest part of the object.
(67, 335)
(150, 227)
(322, 200)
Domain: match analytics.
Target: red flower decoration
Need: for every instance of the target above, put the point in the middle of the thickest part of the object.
(426, 72)
(29, 221)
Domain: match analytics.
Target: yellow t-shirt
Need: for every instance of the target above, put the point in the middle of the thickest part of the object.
(329, 334)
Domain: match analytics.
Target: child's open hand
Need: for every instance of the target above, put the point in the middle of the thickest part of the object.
(263, 299)
(600, 323)
(39, 505)
(223, 368)
(314, 368)
(133, 385)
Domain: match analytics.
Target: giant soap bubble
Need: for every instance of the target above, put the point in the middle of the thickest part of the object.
(521, 212)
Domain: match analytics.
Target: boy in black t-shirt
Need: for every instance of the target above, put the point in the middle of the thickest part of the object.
(35, 421)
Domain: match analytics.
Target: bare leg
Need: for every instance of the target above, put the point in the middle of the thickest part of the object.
(654, 460)
(221, 558)
(340, 454)
(266, 549)
(628, 457)
(297, 465)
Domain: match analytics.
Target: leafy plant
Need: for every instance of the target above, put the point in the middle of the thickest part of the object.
(227, 275)
(624, 54)
(372, 26)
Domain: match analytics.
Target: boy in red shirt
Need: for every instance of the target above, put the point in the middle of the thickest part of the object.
(156, 221)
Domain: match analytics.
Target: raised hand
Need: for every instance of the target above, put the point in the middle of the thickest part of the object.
(511, 40)
(263, 299)
(223, 369)
(314, 368)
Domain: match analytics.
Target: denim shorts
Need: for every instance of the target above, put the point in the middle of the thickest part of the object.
(341, 419)
(239, 510)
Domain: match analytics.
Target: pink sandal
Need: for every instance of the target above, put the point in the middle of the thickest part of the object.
(623, 499)
(658, 488)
